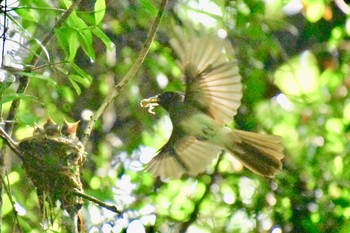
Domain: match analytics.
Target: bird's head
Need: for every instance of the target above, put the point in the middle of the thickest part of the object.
(167, 100)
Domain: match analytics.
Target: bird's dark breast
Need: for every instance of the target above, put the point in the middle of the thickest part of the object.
(182, 112)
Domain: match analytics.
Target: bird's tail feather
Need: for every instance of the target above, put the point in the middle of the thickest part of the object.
(260, 153)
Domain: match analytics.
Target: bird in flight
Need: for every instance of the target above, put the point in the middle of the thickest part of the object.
(212, 97)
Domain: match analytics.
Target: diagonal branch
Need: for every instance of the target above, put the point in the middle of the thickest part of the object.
(128, 76)
(12, 144)
(112, 208)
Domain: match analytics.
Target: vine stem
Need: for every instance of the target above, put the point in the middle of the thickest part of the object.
(131, 73)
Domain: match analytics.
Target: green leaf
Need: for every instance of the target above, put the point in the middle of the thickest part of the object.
(60, 35)
(27, 14)
(85, 79)
(76, 87)
(314, 9)
(85, 38)
(103, 37)
(79, 79)
(149, 6)
(100, 10)
(7, 206)
(84, 34)
(16, 96)
(75, 22)
(66, 93)
(13, 177)
(68, 39)
(73, 45)
(38, 76)
(300, 76)
(67, 3)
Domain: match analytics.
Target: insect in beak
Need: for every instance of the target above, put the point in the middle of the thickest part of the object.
(150, 103)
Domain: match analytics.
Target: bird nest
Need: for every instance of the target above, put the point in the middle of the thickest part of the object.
(53, 157)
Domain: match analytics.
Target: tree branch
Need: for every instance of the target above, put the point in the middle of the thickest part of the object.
(7, 188)
(112, 208)
(128, 76)
(12, 144)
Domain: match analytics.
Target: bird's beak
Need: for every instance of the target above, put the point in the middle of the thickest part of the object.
(150, 103)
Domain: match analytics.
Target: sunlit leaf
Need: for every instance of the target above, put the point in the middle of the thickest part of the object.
(338, 165)
(314, 9)
(346, 112)
(335, 125)
(85, 38)
(85, 79)
(64, 35)
(100, 10)
(72, 78)
(300, 76)
(28, 14)
(16, 96)
(72, 39)
(13, 177)
(295, 68)
(67, 3)
(39, 76)
(7, 206)
(103, 37)
(149, 7)
(83, 32)
(67, 93)
(337, 36)
(79, 79)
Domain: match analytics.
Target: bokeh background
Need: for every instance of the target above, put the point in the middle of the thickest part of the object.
(294, 61)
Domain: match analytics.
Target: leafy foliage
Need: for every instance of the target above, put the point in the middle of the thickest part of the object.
(295, 68)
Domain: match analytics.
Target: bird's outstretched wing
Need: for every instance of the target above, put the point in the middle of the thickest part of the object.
(213, 82)
(182, 155)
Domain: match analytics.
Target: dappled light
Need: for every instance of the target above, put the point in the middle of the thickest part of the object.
(270, 67)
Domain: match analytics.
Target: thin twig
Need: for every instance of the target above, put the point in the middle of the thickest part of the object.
(12, 144)
(128, 76)
(7, 188)
(112, 208)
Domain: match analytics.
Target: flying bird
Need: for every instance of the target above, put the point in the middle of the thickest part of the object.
(212, 97)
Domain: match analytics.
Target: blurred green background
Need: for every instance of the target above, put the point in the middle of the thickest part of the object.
(294, 61)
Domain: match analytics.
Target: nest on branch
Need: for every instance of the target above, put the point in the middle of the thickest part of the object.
(52, 158)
